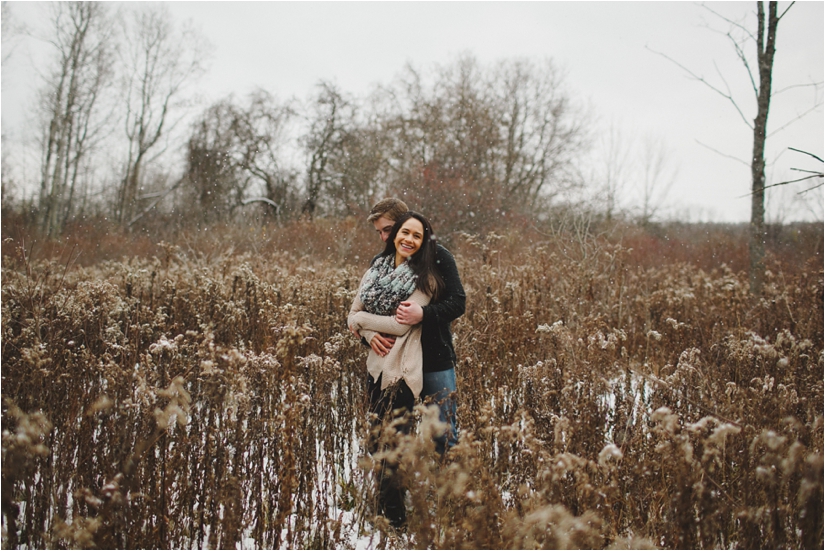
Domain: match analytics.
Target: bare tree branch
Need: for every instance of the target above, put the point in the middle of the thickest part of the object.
(731, 21)
(786, 11)
(792, 86)
(747, 164)
(793, 120)
(740, 53)
(788, 182)
(811, 189)
(154, 203)
(706, 83)
(260, 200)
(806, 153)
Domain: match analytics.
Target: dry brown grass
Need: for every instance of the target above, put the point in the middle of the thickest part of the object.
(209, 396)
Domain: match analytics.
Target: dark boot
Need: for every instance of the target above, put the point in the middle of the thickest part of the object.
(392, 495)
(392, 403)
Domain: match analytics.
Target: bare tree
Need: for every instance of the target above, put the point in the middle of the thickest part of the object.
(260, 133)
(235, 156)
(10, 31)
(761, 81)
(541, 131)
(356, 169)
(442, 132)
(347, 149)
(765, 51)
(69, 104)
(9, 34)
(656, 177)
(324, 141)
(613, 168)
(470, 144)
(159, 62)
(630, 175)
(211, 173)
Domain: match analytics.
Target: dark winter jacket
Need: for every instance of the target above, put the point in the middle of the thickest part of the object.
(436, 336)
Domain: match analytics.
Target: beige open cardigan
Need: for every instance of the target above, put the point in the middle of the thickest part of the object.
(404, 360)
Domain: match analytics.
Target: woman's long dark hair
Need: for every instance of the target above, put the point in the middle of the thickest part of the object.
(423, 262)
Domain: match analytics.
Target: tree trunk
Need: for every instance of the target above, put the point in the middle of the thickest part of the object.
(766, 46)
(69, 100)
(128, 196)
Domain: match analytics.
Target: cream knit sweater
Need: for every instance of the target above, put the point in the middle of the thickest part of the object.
(404, 360)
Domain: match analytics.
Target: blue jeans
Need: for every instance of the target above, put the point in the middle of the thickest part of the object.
(438, 387)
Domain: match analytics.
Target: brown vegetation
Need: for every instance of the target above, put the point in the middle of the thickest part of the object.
(613, 392)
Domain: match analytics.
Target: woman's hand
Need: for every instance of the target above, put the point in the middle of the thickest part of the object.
(409, 313)
(382, 345)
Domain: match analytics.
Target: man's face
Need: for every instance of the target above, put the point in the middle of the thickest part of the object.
(383, 226)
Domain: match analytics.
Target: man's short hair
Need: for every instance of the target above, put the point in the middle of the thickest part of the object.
(391, 207)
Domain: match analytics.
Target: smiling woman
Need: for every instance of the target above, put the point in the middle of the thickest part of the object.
(408, 240)
(404, 271)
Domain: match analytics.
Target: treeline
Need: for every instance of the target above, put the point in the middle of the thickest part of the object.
(465, 145)
(469, 144)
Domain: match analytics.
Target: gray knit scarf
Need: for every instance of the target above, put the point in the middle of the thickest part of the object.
(386, 286)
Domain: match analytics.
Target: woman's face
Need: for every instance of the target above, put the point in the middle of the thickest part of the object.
(409, 239)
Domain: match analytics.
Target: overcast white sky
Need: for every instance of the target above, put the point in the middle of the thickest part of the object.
(287, 47)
